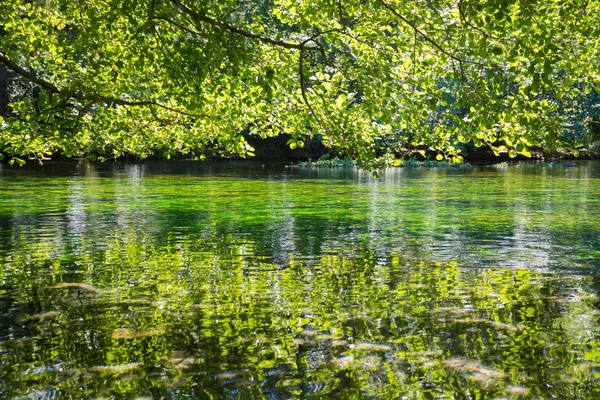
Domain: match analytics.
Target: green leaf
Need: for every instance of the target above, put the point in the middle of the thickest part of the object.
(340, 101)
(525, 153)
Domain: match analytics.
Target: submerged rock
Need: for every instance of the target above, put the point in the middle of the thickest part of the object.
(230, 375)
(502, 165)
(455, 364)
(80, 286)
(343, 361)
(307, 333)
(339, 342)
(43, 316)
(516, 391)
(485, 377)
(117, 369)
(371, 346)
(127, 333)
(508, 327)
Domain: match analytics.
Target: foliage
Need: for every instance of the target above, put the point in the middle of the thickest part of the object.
(160, 77)
(328, 163)
(386, 161)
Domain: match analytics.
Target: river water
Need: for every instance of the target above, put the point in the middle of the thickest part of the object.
(241, 280)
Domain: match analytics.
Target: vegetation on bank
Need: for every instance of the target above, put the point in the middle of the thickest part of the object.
(166, 78)
(385, 161)
(413, 163)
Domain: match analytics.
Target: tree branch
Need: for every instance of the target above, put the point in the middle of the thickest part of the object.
(85, 97)
(178, 25)
(420, 32)
(200, 16)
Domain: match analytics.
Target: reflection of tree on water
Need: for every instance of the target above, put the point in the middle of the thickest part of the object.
(351, 326)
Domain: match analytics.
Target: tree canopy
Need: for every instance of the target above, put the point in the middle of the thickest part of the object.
(106, 78)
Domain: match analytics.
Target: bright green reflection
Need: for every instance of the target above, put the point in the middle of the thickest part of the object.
(174, 280)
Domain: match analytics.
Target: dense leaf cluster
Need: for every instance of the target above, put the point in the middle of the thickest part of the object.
(164, 77)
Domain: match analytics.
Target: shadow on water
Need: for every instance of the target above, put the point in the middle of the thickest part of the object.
(171, 280)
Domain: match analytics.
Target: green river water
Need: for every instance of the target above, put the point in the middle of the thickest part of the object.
(242, 281)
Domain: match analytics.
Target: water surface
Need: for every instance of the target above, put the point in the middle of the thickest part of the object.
(237, 280)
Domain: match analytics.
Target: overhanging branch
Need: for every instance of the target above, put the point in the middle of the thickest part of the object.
(82, 96)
